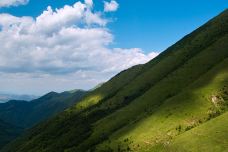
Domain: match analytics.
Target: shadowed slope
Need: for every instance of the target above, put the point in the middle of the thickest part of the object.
(8, 132)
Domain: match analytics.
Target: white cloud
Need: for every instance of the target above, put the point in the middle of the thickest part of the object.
(64, 48)
(7, 3)
(111, 6)
(89, 3)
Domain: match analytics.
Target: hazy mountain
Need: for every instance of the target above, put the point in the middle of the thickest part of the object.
(176, 102)
(4, 97)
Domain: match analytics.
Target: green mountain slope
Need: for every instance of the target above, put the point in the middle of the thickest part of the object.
(203, 100)
(8, 132)
(147, 107)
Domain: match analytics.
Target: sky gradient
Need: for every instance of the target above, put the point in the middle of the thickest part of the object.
(95, 39)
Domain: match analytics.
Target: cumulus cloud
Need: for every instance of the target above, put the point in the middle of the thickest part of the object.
(67, 45)
(7, 3)
(111, 6)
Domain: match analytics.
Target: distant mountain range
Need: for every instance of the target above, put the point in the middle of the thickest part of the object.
(6, 97)
(20, 115)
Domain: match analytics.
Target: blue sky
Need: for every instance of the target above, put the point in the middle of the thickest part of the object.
(152, 25)
(87, 42)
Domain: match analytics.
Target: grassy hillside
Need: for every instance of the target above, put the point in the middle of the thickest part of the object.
(211, 137)
(147, 107)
